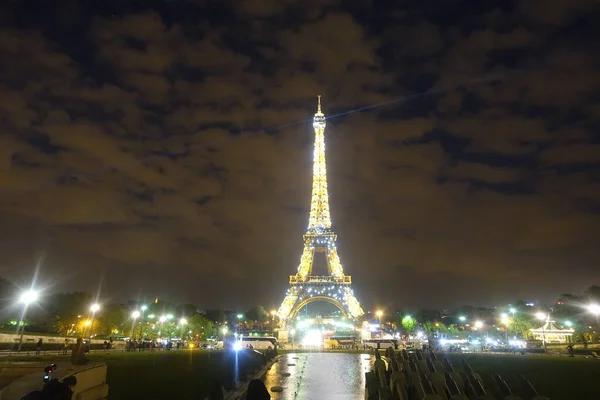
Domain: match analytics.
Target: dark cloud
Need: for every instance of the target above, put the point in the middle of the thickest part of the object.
(173, 157)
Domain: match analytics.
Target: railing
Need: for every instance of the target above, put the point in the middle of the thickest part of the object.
(422, 376)
(296, 279)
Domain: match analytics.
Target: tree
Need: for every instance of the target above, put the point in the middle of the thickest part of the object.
(67, 309)
(201, 327)
(409, 324)
(111, 318)
(258, 314)
(567, 307)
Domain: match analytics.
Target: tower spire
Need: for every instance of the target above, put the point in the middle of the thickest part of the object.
(319, 218)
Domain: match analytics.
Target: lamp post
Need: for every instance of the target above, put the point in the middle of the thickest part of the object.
(94, 308)
(239, 318)
(143, 308)
(379, 314)
(26, 299)
(183, 323)
(545, 318)
(134, 315)
(273, 314)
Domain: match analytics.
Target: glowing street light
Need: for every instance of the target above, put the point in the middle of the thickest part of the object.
(134, 315)
(94, 308)
(182, 322)
(162, 318)
(543, 317)
(143, 308)
(379, 313)
(595, 309)
(568, 323)
(28, 297)
(462, 318)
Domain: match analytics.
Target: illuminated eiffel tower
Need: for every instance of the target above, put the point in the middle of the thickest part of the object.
(305, 287)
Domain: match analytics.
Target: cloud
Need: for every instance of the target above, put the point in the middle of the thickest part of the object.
(459, 154)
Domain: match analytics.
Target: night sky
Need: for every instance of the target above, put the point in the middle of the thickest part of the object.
(164, 148)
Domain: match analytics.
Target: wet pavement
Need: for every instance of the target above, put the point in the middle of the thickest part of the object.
(318, 376)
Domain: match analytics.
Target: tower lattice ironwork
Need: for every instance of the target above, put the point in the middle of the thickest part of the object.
(305, 287)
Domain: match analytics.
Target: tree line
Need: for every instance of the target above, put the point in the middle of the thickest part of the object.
(571, 311)
(70, 314)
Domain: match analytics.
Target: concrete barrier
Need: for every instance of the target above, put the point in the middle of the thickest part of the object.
(91, 380)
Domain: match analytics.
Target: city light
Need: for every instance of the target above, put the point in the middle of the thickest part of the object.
(541, 316)
(29, 296)
(183, 321)
(568, 323)
(224, 330)
(95, 307)
(135, 314)
(26, 298)
(162, 318)
(594, 309)
(144, 307)
(478, 324)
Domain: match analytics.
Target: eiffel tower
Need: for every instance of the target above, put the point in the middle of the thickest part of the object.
(305, 287)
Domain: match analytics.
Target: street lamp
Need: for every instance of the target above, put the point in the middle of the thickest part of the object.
(183, 322)
(27, 297)
(462, 318)
(543, 317)
(595, 309)
(134, 315)
(94, 308)
(239, 317)
(143, 308)
(379, 313)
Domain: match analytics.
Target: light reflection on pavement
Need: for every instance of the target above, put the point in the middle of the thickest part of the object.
(319, 376)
